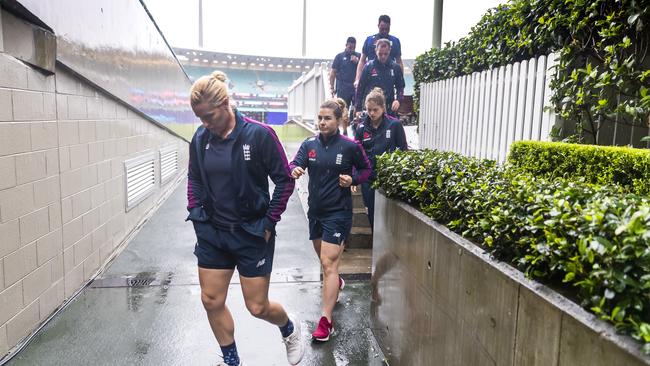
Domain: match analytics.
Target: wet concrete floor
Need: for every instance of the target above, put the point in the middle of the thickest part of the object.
(161, 320)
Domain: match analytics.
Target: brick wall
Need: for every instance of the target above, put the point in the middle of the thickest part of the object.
(62, 204)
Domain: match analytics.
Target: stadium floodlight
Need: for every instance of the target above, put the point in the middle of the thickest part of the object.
(196, 60)
(234, 63)
(206, 60)
(223, 62)
(242, 63)
(270, 65)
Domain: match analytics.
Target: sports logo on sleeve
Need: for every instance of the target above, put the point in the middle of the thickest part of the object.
(366, 136)
(312, 155)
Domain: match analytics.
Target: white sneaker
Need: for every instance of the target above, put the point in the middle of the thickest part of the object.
(295, 348)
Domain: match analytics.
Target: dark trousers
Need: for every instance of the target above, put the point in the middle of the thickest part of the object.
(368, 195)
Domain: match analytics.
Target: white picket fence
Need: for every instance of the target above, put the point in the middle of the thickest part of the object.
(307, 93)
(483, 113)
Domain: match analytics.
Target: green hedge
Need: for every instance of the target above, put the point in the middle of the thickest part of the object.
(594, 239)
(624, 166)
(603, 57)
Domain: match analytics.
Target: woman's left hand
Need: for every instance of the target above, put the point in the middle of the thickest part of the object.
(345, 180)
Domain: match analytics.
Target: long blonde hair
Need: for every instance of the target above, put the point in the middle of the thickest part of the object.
(210, 88)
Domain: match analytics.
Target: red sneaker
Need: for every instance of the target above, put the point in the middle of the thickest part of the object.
(323, 331)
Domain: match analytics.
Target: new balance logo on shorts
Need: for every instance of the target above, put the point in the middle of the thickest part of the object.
(261, 263)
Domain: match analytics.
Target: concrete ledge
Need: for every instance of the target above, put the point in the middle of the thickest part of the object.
(437, 296)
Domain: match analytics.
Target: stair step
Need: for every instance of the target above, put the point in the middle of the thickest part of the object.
(359, 230)
(355, 264)
(357, 201)
(359, 238)
(360, 219)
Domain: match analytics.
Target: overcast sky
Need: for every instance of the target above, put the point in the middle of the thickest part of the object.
(274, 28)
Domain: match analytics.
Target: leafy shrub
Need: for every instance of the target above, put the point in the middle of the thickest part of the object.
(602, 48)
(624, 166)
(593, 238)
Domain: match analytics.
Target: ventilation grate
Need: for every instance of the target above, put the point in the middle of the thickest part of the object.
(140, 179)
(168, 163)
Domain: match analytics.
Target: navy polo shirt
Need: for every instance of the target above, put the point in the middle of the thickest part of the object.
(218, 168)
(346, 71)
(369, 47)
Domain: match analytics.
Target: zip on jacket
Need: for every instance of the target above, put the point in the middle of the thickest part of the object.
(257, 154)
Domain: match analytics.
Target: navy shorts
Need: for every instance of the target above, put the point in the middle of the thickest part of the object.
(331, 230)
(218, 248)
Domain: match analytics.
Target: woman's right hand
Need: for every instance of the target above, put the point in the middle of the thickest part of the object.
(297, 172)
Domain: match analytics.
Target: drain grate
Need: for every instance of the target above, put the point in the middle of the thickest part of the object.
(143, 279)
(139, 282)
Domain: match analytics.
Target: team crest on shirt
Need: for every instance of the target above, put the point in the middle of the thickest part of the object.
(312, 155)
(387, 134)
(247, 152)
(373, 72)
(339, 159)
(366, 136)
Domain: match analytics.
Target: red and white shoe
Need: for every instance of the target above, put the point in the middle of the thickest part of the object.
(323, 331)
(341, 286)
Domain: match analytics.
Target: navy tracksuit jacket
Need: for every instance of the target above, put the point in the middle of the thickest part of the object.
(257, 154)
(387, 137)
(325, 160)
(389, 77)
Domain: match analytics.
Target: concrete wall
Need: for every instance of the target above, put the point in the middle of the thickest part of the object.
(439, 299)
(62, 205)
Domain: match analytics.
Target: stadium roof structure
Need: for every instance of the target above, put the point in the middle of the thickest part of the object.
(244, 62)
(205, 58)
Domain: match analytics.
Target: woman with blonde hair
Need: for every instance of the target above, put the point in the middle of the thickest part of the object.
(378, 133)
(231, 159)
(335, 163)
(345, 119)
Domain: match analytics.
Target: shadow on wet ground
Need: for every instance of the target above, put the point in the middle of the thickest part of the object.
(145, 309)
